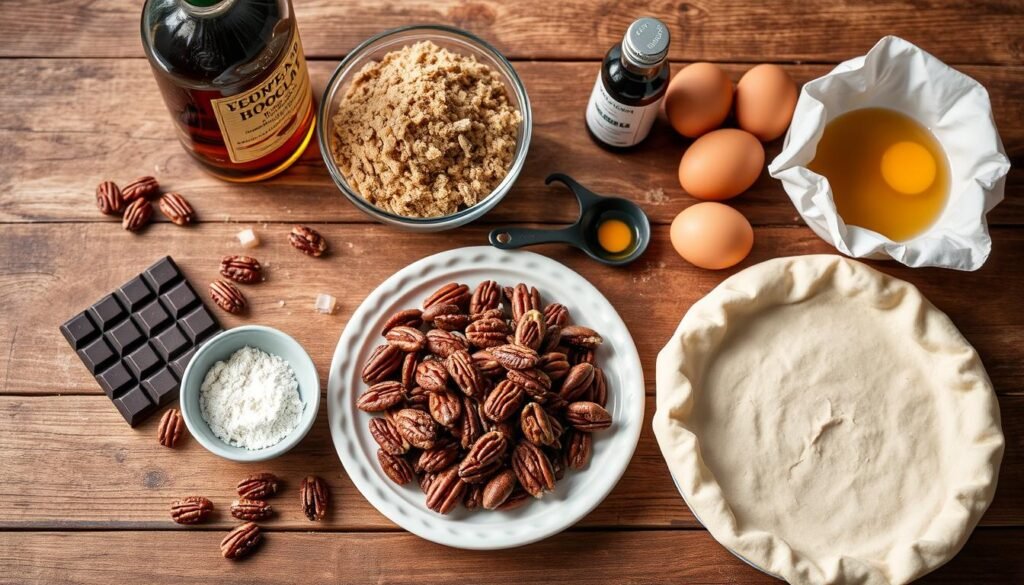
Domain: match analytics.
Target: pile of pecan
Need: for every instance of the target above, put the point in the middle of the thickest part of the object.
(488, 396)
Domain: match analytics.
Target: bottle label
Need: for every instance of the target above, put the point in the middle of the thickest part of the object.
(615, 123)
(258, 121)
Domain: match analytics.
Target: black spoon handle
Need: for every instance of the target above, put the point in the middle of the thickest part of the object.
(510, 238)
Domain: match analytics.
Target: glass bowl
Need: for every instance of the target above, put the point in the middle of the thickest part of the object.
(450, 38)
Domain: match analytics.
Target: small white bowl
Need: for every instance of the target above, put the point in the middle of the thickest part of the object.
(220, 348)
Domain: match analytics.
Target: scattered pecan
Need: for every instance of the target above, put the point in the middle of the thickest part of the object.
(383, 362)
(484, 457)
(395, 467)
(169, 430)
(251, 510)
(533, 469)
(416, 427)
(577, 381)
(381, 396)
(141, 188)
(315, 496)
(109, 199)
(258, 486)
(227, 296)
(449, 294)
(137, 215)
(588, 416)
(499, 488)
(308, 241)
(176, 208)
(405, 338)
(503, 401)
(388, 437)
(513, 356)
(486, 297)
(445, 491)
(243, 269)
(191, 510)
(432, 375)
(445, 407)
(536, 425)
(240, 541)
(407, 318)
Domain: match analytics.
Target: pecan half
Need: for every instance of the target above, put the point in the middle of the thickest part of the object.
(243, 269)
(536, 425)
(552, 339)
(533, 469)
(440, 309)
(109, 199)
(487, 333)
(579, 448)
(241, 541)
(454, 322)
(514, 356)
(308, 241)
(450, 294)
(531, 330)
(137, 215)
(383, 362)
(441, 457)
(488, 314)
(486, 296)
(169, 430)
(516, 499)
(484, 457)
(445, 406)
(498, 489)
(474, 496)
(381, 396)
(445, 491)
(444, 343)
(418, 398)
(408, 318)
(524, 299)
(406, 338)
(251, 510)
(579, 355)
(534, 382)
(554, 364)
(408, 371)
(487, 365)
(598, 392)
(416, 427)
(582, 337)
(191, 510)
(432, 375)
(503, 401)
(588, 416)
(387, 436)
(464, 373)
(556, 315)
(472, 427)
(141, 188)
(395, 467)
(577, 381)
(258, 486)
(315, 497)
(176, 208)
(227, 296)
(558, 462)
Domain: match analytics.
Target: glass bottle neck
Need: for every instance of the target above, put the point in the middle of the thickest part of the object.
(642, 71)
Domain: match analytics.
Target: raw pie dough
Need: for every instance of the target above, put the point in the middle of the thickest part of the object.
(827, 424)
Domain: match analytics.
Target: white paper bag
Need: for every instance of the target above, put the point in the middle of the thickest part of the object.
(896, 74)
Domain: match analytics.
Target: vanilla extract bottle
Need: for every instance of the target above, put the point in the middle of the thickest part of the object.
(234, 78)
(633, 80)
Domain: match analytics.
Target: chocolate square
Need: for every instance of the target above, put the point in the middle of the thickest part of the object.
(152, 318)
(170, 343)
(107, 312)
(142, 361)
(181, 363)
(162, 275)
(134, 405)
(97, 355)
(114, 379)
(199, 324)
(162, 387)
(79, 330)
(135, 293)
(180, 299)
(125, 337)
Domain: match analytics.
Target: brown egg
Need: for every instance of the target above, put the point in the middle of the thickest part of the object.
(721, 164)
(765, 100)
(712, 235)
(698, 99)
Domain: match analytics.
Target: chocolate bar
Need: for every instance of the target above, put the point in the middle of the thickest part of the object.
(138, 339)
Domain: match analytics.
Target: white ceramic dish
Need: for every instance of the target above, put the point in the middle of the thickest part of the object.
(579, 492)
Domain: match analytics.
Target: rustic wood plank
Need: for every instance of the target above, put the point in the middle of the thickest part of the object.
(55, 155)
(100, 474)
(52, 271)
(591, 558)
(740, 30)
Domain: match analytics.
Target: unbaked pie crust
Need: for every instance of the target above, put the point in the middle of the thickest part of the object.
(827, 424)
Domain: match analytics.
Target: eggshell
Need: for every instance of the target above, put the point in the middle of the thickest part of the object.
(765, 99)
(721, 164)
(712, 235)
(698, 99)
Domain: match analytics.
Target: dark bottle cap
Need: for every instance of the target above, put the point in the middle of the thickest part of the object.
(646, 42)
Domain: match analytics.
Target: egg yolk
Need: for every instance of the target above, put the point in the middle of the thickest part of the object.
(614, 235)
(908, 167)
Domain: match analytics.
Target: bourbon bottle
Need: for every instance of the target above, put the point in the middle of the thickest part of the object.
(234, 78)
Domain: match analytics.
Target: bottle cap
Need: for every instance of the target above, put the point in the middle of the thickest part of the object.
(646, 42)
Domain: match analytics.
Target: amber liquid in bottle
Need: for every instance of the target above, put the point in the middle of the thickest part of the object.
(234, 79)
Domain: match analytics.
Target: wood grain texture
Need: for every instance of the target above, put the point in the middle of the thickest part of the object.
(53, 271)
(742, 30)
(592, 558)
(54, 155)
(99, 474)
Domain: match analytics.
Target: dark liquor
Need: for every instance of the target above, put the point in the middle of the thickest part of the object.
(234, 78)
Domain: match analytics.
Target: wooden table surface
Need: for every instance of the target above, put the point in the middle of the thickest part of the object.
(84, 498)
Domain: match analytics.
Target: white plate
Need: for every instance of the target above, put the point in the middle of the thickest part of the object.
(579, 492)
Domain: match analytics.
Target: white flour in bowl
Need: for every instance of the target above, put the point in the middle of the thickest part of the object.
(252, 400)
